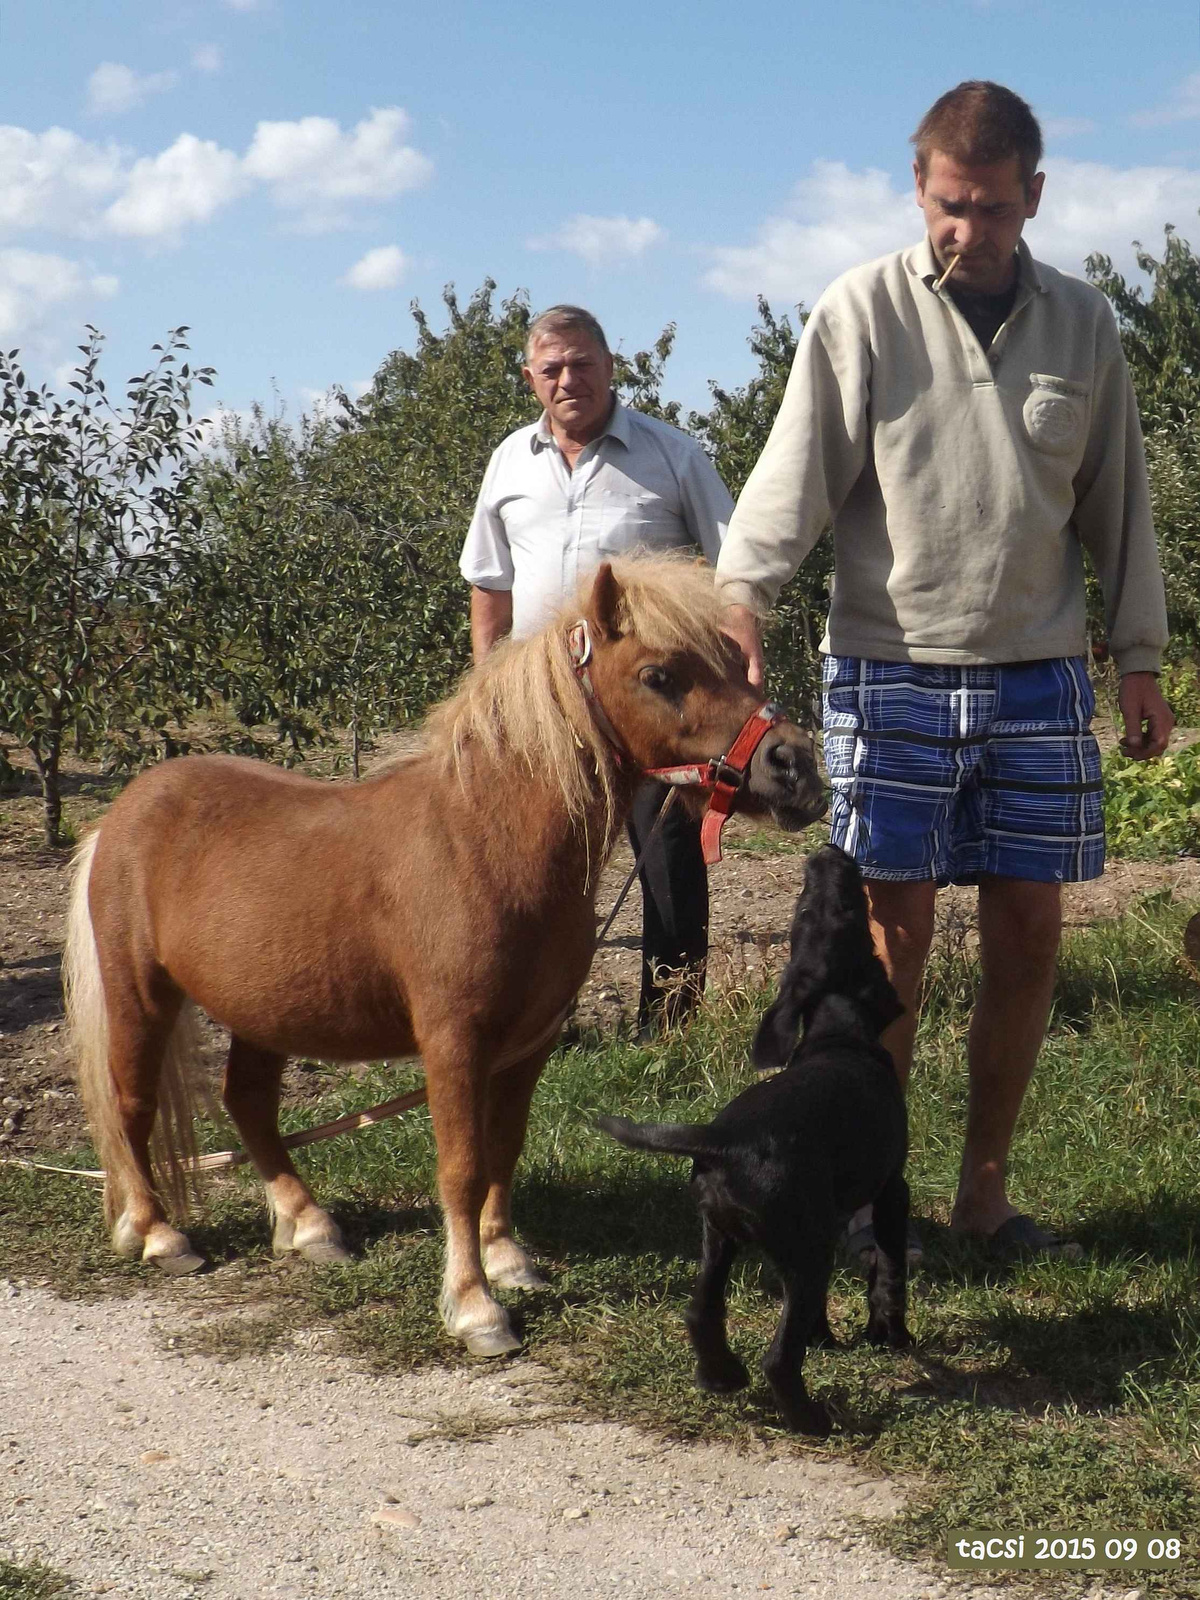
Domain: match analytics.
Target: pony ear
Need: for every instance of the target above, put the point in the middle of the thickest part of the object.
(606, 600)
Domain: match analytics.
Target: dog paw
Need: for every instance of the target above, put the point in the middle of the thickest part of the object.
(808, 1416)
(892, 1335)
(722, 1377)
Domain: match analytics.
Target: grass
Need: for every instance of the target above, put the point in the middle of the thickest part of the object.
(1052, 1395)
(764, 841)
(31, 1583)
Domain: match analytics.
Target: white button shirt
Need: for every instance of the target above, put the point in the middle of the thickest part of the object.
(538, 529)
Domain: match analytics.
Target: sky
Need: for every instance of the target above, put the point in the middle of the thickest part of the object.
(286, 177)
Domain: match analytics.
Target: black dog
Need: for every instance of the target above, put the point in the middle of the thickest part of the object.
(785, 1164)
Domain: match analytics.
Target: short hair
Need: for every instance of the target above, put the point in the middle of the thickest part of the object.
(564, 319)
(979, 123)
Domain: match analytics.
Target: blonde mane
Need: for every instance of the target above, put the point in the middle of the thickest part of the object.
(524, 703)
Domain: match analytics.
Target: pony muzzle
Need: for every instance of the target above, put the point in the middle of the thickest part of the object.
(783, 778)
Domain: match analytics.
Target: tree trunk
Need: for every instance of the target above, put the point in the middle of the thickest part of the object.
(47, 770)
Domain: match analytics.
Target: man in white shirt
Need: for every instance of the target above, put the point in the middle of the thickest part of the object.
(592, 479)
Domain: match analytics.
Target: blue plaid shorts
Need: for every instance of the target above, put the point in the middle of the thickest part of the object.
(949, 772)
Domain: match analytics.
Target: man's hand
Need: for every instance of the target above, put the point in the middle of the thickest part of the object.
(740, 623)
(1147, 716)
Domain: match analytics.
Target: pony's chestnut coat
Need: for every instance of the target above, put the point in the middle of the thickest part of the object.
(443, 907)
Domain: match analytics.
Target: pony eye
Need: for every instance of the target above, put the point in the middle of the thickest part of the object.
(656, 678)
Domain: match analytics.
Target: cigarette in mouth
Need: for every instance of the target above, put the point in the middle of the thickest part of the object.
(954, 260)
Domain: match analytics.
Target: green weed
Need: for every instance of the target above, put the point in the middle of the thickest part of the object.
(31, 1583)
(1153, 808)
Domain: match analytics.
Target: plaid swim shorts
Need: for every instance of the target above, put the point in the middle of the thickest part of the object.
(949, 772)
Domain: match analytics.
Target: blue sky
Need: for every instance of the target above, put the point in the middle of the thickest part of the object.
(285, 177)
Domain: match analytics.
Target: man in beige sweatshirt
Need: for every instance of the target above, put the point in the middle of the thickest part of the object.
(963, 417)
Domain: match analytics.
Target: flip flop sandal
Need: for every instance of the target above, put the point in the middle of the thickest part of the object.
(1020, 1238)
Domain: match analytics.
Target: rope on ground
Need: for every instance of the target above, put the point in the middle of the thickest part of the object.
(219, 1160)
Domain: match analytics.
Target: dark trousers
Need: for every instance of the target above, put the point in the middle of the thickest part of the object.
(674, 883)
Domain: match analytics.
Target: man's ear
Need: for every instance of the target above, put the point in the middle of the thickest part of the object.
(605, 603)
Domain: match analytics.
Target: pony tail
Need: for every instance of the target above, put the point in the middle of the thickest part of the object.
(174, 1153)
(87, 1027)
(173, 1142)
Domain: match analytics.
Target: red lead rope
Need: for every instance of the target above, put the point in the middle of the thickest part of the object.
(722, 775)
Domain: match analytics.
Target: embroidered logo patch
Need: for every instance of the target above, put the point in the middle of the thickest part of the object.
(1054, 413)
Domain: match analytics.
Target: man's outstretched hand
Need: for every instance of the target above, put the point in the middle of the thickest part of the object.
(1147, 716)
(740, 623)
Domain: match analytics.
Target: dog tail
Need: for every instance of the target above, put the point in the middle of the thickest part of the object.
(672, 1138)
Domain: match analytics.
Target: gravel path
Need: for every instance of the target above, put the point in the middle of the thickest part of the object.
(144, 1473)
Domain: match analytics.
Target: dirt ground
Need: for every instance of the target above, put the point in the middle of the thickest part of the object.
(753, 891)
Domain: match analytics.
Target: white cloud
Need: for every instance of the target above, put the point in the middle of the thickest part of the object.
(834, 219)
(602, 239)
(32, 282)
(378, 269)
(55, 179)
(114, 88)
(1089, 206)
(186, 183)
(1068, 127)
(1183, 106)
(243, 5)
(207, 58)
(321, 404)
(837, 218)
(216, 427)
(311, 166)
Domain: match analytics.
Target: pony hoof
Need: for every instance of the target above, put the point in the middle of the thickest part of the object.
(177, 1266)
(169, 1251)
(526, 1277)
(508, 1267)
(315, 1236)
(325, 1253)
(489, 1342)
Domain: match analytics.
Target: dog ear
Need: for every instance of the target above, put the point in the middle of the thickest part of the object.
(776, 1036)
(779, 1029)
(605, 603)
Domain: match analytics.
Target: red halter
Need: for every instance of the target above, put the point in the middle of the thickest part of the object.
(722, 775)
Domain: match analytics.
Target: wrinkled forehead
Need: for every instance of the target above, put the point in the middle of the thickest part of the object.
(565, 349)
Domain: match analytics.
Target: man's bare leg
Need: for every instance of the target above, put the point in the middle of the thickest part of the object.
(902, 927)
(1019, 928)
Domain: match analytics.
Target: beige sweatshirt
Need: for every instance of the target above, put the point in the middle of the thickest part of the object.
(960, 484)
